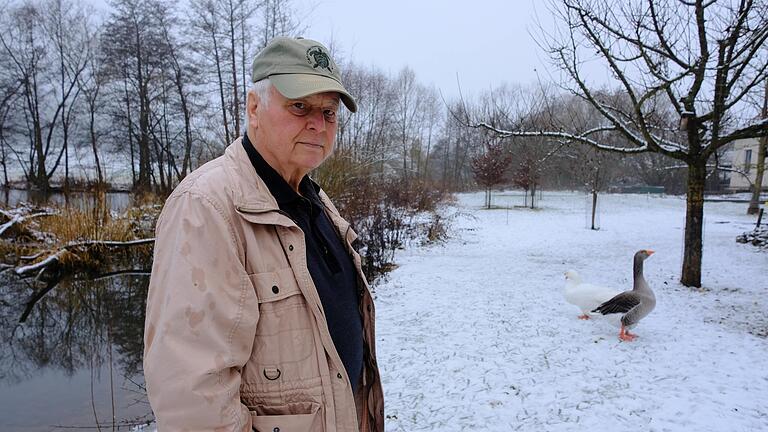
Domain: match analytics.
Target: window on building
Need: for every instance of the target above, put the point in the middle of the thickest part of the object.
(747, 159)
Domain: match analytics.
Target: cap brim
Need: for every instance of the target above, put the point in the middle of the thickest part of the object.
(294, 86)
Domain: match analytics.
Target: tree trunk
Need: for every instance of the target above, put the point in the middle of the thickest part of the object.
(186, 164)
(227, 139)
(754, 202)
(94, 146)
(594, 207)
(3, 155)
(694, 218)
(40, 177)
(235, 78)
(145, 166)
(130, 129)
(66, 163)
(426, 156)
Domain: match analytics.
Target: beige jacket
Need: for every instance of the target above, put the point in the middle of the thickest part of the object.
(235, 334)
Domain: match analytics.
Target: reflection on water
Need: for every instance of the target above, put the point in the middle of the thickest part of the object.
(117, 201)
(76, 359)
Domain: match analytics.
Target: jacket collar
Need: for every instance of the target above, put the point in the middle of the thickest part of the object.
(251, 194)
(249, 191)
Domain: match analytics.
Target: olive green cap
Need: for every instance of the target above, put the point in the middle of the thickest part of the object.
(300, 67)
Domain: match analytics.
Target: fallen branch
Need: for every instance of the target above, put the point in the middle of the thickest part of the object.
(56, 258)
(109, 243)
(129, 272)
(54, 261)
(14, 220)
(42, 265)
(31, 257)
(17, 219)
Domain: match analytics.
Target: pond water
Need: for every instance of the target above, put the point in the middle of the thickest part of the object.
(117, 201)
(74, 363)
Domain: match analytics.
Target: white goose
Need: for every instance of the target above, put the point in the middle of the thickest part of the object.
(585, 296)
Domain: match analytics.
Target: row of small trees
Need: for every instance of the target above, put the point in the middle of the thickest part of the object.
(532, 162)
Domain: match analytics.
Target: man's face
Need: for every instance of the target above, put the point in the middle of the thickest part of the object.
(294, 135)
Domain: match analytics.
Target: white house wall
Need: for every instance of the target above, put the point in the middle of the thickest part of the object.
(739, 152)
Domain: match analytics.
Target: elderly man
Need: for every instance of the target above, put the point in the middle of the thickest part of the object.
(259, 316)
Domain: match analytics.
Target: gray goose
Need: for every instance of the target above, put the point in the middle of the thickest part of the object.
(634, 305)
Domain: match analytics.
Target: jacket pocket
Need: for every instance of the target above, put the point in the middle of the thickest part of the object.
(294, 417)
(284, 347)
(273, 286)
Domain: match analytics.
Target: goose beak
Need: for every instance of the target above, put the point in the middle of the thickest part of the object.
(649, 252)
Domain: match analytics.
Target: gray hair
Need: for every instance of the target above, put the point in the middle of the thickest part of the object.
(262, 89)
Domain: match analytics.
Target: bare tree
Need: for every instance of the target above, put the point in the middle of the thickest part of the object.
(595, 169)
(205, 19)
(432, 113)
(526, 176)
(407, 114)
(135, 50)
(184, 73)
(278, 19)
(456, 148)
(366, 136)
(684, 68)
(224, 40)
(7, 93)
(23, 44)
(64, 23)
(91, 82)
(489, 168)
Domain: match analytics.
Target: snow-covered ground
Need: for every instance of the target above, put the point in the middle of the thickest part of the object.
(474, 334)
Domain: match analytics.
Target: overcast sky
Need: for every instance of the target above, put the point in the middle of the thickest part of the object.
(485, 42)
(482, 43)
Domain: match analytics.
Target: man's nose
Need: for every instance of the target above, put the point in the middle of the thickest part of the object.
(316, 120)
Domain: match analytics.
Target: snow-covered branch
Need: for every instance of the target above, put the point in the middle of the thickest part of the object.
(42, 265)
(16, 218)
(582, 138)
(109, 243)
(756, 129)
(56, 258)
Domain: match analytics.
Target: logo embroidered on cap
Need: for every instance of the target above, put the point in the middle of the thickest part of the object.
(318, 58)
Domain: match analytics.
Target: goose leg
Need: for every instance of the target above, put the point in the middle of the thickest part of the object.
(625, 335)
(584, 317)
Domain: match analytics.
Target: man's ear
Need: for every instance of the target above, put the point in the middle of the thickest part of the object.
(251, 104)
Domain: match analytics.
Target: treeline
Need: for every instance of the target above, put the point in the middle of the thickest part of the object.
(140, 94)
(146, 91)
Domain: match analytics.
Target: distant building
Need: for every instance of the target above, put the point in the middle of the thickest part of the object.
(744, 159)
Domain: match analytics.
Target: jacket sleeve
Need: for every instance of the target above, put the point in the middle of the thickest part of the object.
(201, 319)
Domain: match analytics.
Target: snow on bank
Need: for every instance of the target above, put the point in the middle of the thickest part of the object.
(474, 334)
